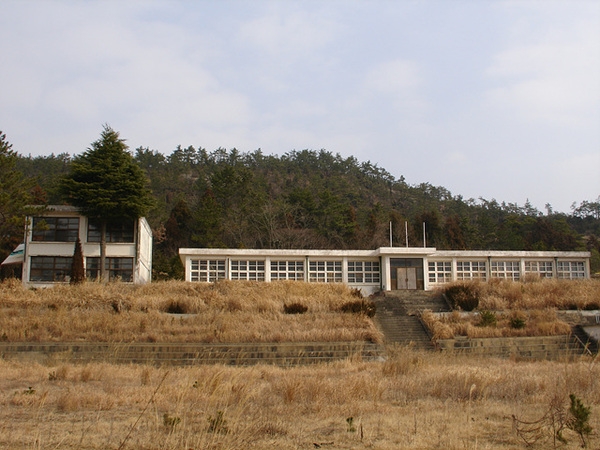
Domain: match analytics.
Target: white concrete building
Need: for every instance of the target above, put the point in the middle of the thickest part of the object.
(386, 268)
(50, 243)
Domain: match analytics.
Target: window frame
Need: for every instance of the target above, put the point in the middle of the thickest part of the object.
(471, 270)
(55, 228)
(570, 270)
(440, 273)
(544, 269)
(116, 233)
(287, 270)
(60, 273)
(207, 270)
(364, 272)
(247, 269)
(325, 271)
(506, 270)
(113, 266)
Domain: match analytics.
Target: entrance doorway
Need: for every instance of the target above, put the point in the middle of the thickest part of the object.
(406, 273)
(407, 277)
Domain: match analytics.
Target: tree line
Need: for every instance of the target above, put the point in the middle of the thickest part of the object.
(310, 199)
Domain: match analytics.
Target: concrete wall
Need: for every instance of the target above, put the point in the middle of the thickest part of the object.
(284, 354)
(542, 347)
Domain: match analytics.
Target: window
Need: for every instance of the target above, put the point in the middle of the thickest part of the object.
(363, 271)
(118, 268)
(287, 270)
(440, 271)
(116, 232)
(50, 268)
(570, 269)
(509, 270)
(469, 270)
(325, 271)
(248, 270)
(55, 229)
(207, 270)
(541, 268)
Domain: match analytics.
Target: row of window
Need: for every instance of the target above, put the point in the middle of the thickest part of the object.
(441, 271)
(318, 271)
(66, 229)
(58, 268)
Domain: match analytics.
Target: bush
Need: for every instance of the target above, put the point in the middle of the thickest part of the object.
(463, 296)
(487, 319)
(295, 308)
(517, 320)
(176, 307)
(365, 307)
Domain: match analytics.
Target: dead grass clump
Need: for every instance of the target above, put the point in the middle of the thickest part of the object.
(362, 306)
(463, 295)
(401, 361)
(295, 308)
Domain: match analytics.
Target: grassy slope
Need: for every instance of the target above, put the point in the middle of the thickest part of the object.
(518, 309)
(221, 312)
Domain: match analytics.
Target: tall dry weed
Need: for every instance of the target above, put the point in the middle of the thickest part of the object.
(173, 311)
(417, 400)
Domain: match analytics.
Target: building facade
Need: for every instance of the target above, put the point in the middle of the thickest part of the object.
(386, 268)
(49, 245)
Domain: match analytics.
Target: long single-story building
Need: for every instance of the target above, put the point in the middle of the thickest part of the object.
(386, 268)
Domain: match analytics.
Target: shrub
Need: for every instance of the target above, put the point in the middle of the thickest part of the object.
(176, 307)
(517, 320)
(487, 319)
(463, 296)
(295, 308)
(365, 307)
(592, 306)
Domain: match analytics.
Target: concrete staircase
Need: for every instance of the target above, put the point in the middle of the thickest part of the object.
(397, 316)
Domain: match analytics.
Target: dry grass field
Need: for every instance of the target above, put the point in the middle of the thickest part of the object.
(411, 401)
(510, 309)
(181, 312)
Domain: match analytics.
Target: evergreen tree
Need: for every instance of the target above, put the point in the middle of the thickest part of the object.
(77, 270)
(15, 198)
(107, 185)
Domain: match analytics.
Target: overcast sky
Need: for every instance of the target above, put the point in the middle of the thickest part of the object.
(492, 99)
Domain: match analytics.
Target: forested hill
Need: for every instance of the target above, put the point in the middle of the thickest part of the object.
(316, 199)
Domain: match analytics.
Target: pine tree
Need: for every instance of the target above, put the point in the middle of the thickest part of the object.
(107, 185)
(15, 198)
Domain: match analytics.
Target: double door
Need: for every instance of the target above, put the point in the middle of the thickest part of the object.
(406, 277)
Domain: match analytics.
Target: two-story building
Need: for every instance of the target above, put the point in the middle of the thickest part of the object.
(49, 246)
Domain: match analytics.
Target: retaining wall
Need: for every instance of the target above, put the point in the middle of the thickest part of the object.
(285, 354)
(542, 347)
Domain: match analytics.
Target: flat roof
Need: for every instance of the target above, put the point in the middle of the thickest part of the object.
(382, 251)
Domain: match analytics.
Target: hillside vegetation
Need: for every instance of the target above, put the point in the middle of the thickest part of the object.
(316, 199)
